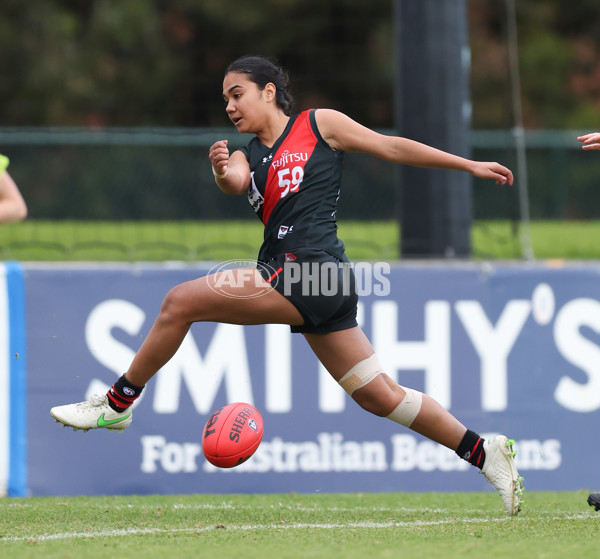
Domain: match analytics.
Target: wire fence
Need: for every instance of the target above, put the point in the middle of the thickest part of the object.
(121, 192)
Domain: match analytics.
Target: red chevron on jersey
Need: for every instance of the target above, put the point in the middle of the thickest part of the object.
(287, 168)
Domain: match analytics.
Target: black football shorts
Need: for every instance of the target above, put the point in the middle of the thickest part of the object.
(319, 284)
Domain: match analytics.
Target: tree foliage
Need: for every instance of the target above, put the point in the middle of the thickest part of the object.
(559, 48)
(161, 62)
(156, 62)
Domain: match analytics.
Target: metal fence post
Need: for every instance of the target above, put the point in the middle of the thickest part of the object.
(432, 105)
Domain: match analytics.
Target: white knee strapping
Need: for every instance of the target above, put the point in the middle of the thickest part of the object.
(406, 411)
(362, 373)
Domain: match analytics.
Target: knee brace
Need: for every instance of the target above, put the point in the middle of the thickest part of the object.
(364, 372)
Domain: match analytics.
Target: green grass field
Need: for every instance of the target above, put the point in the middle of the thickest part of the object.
(390, 525)
(373, 525)
(193, 241)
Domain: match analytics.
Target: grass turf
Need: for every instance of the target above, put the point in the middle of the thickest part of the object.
(216, 240)
(378, 525)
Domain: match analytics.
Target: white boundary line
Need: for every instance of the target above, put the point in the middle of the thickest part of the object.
(275, 527)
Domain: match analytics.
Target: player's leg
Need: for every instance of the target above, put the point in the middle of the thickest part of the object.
(341, 351)
(239, 296)
(350, 359)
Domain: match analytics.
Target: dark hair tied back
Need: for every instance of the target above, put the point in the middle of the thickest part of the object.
(262, 71)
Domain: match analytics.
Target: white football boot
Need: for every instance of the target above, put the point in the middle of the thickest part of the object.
(500, 470)
(93, 414)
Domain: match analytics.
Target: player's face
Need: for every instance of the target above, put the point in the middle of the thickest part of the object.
(244, 102)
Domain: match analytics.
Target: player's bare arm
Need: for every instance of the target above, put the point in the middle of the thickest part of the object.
(12, 205)
(232, 172)
(590, 141)
(344, 134)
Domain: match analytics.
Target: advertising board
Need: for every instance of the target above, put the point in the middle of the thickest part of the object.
(511, 349)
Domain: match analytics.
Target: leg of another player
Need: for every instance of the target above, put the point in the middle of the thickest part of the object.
(342, 350)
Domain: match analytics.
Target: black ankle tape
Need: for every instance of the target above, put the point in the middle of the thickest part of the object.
(471, 449)
(122, 394)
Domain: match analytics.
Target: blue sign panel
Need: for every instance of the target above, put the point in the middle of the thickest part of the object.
(507, 349)
(13, 382)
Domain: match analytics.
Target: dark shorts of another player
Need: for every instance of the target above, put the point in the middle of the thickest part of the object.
(319, 284)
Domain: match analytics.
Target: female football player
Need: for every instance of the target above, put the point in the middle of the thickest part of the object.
(291, 173)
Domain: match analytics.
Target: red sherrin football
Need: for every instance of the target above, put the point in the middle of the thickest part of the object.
(232, 434)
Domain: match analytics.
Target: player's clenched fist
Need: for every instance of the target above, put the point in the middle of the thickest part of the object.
(218, 154)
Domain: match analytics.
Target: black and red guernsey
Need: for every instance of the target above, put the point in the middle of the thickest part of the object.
(294, 189)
